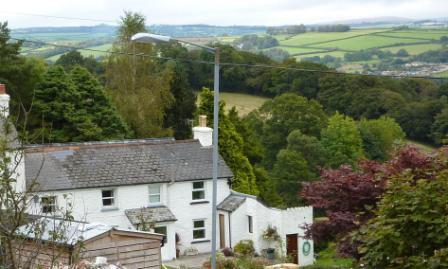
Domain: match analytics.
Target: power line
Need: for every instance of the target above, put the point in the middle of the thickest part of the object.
(224, 63)
(58, 17)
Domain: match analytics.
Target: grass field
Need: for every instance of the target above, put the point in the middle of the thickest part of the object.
(301, 50)
(316, 37)
(435, 35)
(415, 49)
(244, 103)
(365, 42)
(336, 53)
(441, 74)
(87, 53)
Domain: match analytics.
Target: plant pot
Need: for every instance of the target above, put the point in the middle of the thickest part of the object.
(270, 253)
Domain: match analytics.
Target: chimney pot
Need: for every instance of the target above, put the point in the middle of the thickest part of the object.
(203, 121)
(2, 89)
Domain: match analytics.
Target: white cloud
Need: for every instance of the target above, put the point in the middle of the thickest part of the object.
(229, 12)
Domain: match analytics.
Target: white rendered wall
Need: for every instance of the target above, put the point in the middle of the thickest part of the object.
(289, 221)
(87, 206)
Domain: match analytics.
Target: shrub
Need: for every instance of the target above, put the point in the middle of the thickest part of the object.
(245, 248)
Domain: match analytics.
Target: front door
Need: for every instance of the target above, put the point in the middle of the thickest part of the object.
(222, 232)
(291, 247)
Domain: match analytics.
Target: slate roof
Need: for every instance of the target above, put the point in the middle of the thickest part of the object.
(149, 214)
(100, 164)
(232, 202)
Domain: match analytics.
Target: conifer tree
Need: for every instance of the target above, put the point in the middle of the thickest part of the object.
(230, 146)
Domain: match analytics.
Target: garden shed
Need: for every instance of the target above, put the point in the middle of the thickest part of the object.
(82, 241)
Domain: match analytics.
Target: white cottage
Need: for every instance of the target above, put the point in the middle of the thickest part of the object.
(159, 182)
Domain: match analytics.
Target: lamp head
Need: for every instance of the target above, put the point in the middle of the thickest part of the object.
(150, 38)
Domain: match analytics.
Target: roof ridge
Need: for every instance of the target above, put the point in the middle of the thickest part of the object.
(99, 144)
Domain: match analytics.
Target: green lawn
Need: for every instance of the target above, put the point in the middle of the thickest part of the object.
(329, 259)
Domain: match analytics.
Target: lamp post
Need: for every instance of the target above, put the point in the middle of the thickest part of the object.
(152, 38)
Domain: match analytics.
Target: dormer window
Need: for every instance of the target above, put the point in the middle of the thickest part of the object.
(154, 194)
(198, 190)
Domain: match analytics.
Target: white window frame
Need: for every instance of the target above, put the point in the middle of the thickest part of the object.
(51, 206)
(159, 194)
(199, 229)
(113, 197)
(198, 190)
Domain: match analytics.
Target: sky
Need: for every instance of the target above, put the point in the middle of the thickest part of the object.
(214, 12)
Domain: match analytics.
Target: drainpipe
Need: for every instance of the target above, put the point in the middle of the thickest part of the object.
(230, 231)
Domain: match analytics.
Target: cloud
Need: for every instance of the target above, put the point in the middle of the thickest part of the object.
(230, 12)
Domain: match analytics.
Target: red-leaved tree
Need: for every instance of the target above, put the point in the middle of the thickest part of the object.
(349, 195)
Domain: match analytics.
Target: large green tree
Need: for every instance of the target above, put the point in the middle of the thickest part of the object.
(289, 172)
(342, 141)
(284, 114)
(138, 85)
(21, 75)
(180, 114)
(439, 129)
(230, 146)
(379, 137)
(73, 107)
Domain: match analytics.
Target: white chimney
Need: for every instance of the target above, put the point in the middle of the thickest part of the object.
(203, 133)
(4, 101)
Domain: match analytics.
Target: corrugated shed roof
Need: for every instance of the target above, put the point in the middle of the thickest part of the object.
(69, 232)
(129, 162)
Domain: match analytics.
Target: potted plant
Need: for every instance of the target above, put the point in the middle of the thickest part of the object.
(271, 236)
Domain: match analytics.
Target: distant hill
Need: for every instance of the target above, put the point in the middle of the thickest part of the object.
(196, 30)
(389, 21)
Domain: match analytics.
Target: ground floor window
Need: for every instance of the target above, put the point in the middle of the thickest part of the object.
(198, 229)
(162, 230)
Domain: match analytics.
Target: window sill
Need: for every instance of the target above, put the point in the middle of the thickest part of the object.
(155, 205)
(198, 202)
(106, 209)
(200, 241)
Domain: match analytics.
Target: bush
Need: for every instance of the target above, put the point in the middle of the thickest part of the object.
(245, 248)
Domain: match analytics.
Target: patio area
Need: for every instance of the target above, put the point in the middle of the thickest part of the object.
(190, 262)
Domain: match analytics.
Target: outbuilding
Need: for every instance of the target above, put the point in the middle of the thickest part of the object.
(67, 243)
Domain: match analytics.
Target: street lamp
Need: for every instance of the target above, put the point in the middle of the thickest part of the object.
(152, 38)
